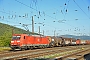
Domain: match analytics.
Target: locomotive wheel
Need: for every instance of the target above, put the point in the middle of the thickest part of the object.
(52, 44)
(22, 49)
(13, 49)
(43, 46)
(31, 47)
(40, 46)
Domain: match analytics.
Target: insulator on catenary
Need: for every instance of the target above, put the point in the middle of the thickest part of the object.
(43, 25)
(65, 3)
(61, 12)
(3, 17)
(9, 17)
(66, 10)
(44, 13)
(12, 16)
(34, 15)
(76, 10)
(23, 16)
(27, 15)
(88, 7)
(54, 13)
(19, 16)
(35, 23)
(15, 17)
(39, 12)
(19, 23)
(53, 21)
(38, 17)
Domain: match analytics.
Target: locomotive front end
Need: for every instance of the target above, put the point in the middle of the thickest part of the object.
(15, 42)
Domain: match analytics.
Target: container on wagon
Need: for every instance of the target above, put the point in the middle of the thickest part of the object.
(83, 42)
(78, 41)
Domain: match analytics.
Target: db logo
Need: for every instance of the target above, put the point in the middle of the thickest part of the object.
(38, 40)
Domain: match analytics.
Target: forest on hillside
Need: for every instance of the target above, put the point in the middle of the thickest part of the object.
(6, 33)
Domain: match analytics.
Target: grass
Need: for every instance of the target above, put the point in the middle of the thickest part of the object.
(4, 49)
(60, 54)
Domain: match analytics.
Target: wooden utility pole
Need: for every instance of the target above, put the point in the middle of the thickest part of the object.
(32, 25)
(39, 30)
(43, 32)
(54, 32)
(12, 31)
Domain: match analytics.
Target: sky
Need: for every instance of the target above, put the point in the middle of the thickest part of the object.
(55, 17)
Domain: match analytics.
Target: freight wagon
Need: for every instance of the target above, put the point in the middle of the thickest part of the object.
(54, 41)
(87, 42)
(81, 42)
(68, 41)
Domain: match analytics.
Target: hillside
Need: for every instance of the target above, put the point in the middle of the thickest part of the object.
(6, 33)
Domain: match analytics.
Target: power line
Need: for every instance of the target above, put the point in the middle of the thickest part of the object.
(35, 10)
(25, 5)
(81, 9)
(4, 12)
(41, 12)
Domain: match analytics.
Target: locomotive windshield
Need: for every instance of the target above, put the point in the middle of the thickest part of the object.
(16, 37)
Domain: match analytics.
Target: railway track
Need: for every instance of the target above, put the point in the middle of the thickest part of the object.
(79, 55)
(41, 53)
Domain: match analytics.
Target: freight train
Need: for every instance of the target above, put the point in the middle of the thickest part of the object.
(25, 41)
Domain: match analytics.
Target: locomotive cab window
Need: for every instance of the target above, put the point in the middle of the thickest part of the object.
(16, 37)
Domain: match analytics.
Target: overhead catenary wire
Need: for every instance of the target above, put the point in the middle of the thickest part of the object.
(31, 8)
(16, 15)
(81, 9)
(26, 5)
(40, 11)
(37, 10)
(64, 11)
(3, 18)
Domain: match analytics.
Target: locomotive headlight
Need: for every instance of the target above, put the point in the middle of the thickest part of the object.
(18, 41)
(12, 41)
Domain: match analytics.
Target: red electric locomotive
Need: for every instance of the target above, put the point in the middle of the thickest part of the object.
(24, 41)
